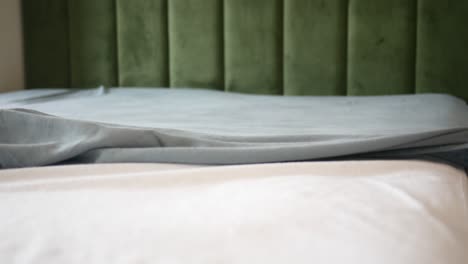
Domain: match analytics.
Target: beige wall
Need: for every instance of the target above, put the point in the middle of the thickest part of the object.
(11, 46)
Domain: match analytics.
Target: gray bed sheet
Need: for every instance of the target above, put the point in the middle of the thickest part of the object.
(45, 126)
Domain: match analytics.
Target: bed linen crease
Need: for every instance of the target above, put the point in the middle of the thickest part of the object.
(211, 127)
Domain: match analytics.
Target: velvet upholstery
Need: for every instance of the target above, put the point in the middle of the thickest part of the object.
(381, 47)
(315, 47)
(442, 64)
(93, 52)
(196, 52)
(142, 43)
(291, 47)
(46, 43)
(253, 46)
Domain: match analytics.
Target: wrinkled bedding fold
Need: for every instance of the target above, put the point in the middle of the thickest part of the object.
(209, 127)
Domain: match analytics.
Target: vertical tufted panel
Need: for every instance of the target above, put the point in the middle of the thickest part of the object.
(291, 47)
(142, 43)
(253, 46)
(315, 47)
(381, 47)
(93, 43)
(46, 43)
(196, 37)
(442, 58)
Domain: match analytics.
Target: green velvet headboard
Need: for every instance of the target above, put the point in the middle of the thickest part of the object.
(293, 47)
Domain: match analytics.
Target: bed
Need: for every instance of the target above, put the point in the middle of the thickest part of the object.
(209, 131)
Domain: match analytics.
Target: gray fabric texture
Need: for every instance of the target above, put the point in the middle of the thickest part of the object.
(44, 127)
